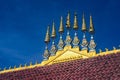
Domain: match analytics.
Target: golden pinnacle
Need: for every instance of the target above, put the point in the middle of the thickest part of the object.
(75, 26)
(91, 29)
(47, 37)
(61, 29)
(53, 35)
(83, 24)
(68, 20)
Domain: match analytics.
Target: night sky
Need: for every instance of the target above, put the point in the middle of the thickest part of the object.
(23, 25)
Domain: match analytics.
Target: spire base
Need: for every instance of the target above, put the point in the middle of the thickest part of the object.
(84, 44)
(75, 41)
(53, 49)
(68, 39)
(46, 53)
(92, 44)
(61, 43)
(92, 50)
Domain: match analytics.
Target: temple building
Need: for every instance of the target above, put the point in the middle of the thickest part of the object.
(71, 58)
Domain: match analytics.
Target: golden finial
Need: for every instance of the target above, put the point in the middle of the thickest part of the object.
(84, 44)
(61, 29)
(100, 50)
(91, 29)
(47, 37)
(106, 49)
(68, 38)
(53, 31)
(68, 20)
(75, 26)
(83, 24)
(53, 47)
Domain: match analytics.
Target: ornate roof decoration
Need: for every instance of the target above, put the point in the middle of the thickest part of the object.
(65, 50)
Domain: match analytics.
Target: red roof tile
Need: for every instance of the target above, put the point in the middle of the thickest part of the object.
(98, 68)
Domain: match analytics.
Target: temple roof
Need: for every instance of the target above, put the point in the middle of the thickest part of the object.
(105, 67)
(68, 54)
(67, 51)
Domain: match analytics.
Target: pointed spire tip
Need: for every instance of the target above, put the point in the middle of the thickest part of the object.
(47, 37)
(68, 20)
(91, 29)
(75, 26)
(61, 29)
(53, 35)
(84, 28)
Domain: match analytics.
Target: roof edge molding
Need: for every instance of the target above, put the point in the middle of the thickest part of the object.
(67, 54)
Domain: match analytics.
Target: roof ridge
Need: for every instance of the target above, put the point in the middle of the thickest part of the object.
(59, 53)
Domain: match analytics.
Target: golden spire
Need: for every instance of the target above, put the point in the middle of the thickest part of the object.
(68, 20)
(75, 26)
(53, 35)
(92, 44)
(47, 37)
(68, 38)
(53, 47)
(61, 29)
(83, 24)
(91, 29)
(84, 43)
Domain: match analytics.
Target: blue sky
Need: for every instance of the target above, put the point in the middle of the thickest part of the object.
(23, 25)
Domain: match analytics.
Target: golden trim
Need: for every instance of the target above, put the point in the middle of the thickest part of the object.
(79, 54)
